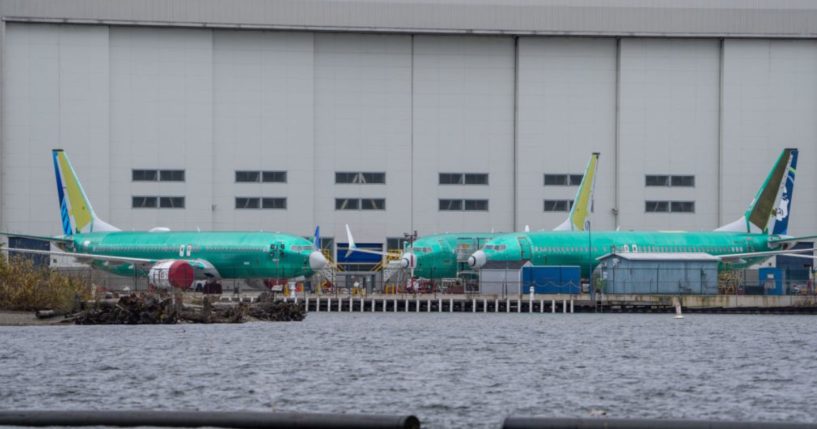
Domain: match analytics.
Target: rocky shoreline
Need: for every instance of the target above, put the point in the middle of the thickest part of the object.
(149, 309)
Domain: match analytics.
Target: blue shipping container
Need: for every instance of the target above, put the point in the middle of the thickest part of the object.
(551, 279)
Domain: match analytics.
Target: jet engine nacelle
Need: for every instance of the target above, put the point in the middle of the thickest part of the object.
(171, 274)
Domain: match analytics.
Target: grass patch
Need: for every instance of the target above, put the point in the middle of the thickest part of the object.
(26, 287)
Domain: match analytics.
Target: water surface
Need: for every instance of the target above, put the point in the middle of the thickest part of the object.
(451, 370)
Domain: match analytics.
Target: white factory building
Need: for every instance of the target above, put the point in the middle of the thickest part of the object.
(435, 116)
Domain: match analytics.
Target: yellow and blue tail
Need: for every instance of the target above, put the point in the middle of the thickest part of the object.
(76, 212)
(579, 217)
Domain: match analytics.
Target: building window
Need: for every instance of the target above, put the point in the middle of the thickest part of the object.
(450, 205)
(274, 176)
(145, 175)
(247, 176)
(157, 175)
(656, 180)
(247, 203)
(243, 176)
(347, 203)
(682, 206)
(378, 178)
(360, 204)
(558, 205)
(274, 203)
(451, 179)
(463, 178)
(656, 206)
(342, 177)
(667, 180)
(669, 206)
(459, 205)
(171, 175)
(171, 202)
(563, 179)
(260, 203)
(373, 204)
(144, 202)
(395, 243)
(685, 181)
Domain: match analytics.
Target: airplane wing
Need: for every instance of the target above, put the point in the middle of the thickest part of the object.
(85, 256)
(353, 247)
(39, 237)
(803, 256)
(736, 257)
(203, 268)
(784, 239)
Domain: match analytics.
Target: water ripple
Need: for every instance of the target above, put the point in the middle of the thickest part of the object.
(452, 370)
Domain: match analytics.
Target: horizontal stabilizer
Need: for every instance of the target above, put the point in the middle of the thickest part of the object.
(353, 247)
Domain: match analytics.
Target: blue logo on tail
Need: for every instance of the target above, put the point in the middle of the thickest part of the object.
(783, 209)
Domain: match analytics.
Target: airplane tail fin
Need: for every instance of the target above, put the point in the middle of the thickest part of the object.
(76, 212)
(316, 240)
(769, 210)
(579, 217)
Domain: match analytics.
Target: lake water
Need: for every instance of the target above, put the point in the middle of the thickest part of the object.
(450, 370)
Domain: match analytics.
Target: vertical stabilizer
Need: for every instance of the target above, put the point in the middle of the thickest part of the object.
(579, 216)
(769, 211)
(76, 212)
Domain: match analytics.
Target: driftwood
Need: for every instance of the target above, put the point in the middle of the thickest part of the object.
(151, 310)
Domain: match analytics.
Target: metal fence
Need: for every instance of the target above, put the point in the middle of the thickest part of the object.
(669, 281)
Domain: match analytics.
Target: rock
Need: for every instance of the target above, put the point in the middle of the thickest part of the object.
(150, 310)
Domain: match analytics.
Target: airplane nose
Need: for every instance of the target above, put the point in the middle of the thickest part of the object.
(477, 260)
(317, 261)
(408, 260)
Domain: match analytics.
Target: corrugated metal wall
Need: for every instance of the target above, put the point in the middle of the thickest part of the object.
(215, 101)
(791, 18)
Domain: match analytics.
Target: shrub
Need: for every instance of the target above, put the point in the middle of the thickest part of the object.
(26, 287)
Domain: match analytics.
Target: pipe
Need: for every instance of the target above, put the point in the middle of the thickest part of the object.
(231, 419)
(605, 423)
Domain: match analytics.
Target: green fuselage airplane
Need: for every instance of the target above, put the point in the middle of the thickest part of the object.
(443, 255)
(757, 235)
(440, 255)
(226, 255)
(172, 259)
(583, 248)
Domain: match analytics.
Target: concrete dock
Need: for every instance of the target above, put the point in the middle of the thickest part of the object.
(564, 304)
